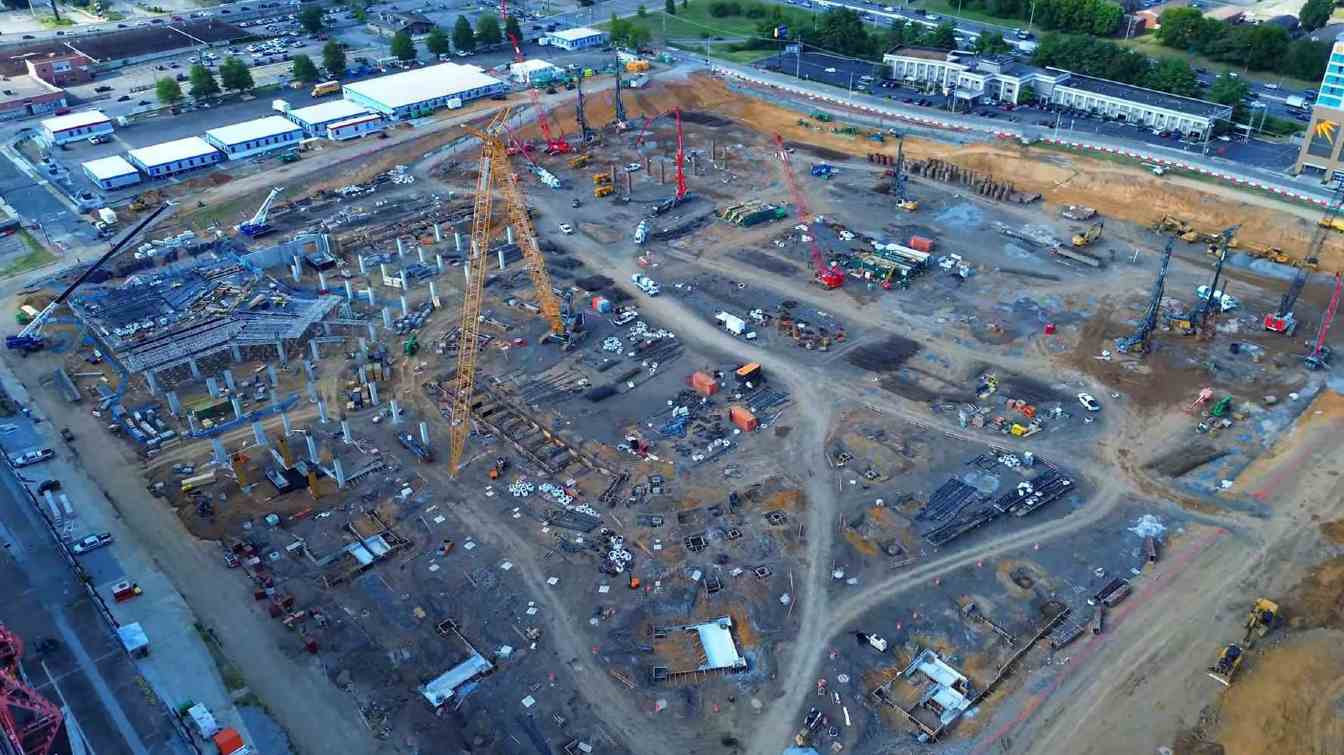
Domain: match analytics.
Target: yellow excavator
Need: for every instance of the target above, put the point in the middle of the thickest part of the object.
(1088, 237)
(1262, 617)
(1227, 664)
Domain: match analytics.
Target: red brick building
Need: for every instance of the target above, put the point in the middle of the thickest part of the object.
(60, 70)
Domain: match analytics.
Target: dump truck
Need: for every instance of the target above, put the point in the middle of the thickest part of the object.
(1226, 666)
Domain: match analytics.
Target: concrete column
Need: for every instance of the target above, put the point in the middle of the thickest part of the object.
(404, 285)
(396, 416)
(501, 258)
(363, 374)
(508, 233)
(424, 433)
(345, 432)
(322, 411)
(363, 269)
(387, 318)
(321, 281)
(237, 407)
(317, 355)
(405, 309)
(212, 385)
(369, 292)
(364, 347)
(438, 233)
(457, 241)
(401, 248)
(152, 382)
(438, 262)
(273, 375)
(308, 366)
(434, 296)
(195, 368)
(339, 469)
(259, 433)
(237, 352)
(284, 422)
(420, 252)
(312, 393)
(220, 455)
(312, 446)
(280, 353)
(373, 333)
(191, 423)
(229, 381)
(373, 393)
(297, 270)
(349, 292)
(174, 406)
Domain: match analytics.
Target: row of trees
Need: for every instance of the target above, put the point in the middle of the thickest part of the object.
(233, 75)
(1096, 17)
(1263, 47)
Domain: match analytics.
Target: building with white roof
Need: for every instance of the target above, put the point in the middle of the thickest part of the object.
(111, 172)
(176, 156)
(421, 91)
(255, 137)
(315, 119)
(576, 39)
(534, 72)
(716, 639)
(76, 126)
(353, 128)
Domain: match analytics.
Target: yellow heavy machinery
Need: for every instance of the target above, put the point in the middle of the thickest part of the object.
(1334, 223)
(1260, 620)
(578, 161)
(604, 190)
(1229, 660)
(495, 173)
(1089, 237)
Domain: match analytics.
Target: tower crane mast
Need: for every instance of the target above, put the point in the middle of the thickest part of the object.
(827, 276)
(495, 172)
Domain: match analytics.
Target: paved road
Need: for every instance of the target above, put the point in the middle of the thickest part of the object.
(88, 671)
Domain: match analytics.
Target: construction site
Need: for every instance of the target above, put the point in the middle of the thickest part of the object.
(680, 420)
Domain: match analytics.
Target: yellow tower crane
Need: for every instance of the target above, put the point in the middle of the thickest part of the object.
(495, 173)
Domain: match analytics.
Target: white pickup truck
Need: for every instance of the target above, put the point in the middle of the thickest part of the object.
(645, 284)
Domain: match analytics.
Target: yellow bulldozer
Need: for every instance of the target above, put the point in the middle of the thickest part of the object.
(1229, 660)
(602, 190)
(146, 200)
(1262, 617)
(578, 161)
(1088, 237)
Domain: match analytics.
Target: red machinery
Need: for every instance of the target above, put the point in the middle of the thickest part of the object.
(28, 722)
(827, 276)
(1282, 320)
(554, 145)
(681, 160)
(1319, 358)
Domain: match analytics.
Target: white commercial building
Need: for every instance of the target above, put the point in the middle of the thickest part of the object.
(174, 157)
(315, 119)
(255, 137)
(76, 126)
(111, 172)
(421, 91)
(353, 128)
(576, 39)
(973, 79)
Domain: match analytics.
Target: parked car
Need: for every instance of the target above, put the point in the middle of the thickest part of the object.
(1089, 403)
(34, 456)
(633, 167)
(566, 229)
(92, 543)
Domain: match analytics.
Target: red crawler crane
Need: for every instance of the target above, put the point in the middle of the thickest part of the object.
(29, 722)
(828, 276)
(554, 145)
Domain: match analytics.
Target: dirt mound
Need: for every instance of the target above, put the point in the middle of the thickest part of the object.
(887, 356)
(1287, 699)
(1318, 600)
(1334, 531)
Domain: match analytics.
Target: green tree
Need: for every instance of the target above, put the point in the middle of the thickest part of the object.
(304, 70)
(1226, 90)
(1315, 14)
(685, 4)
(233, 74)
(1306, 59)
(310, 18)
(203, 82)
(1184, 28)
(1027, 94)
(487, 30)
(464, 39)
(333, 59)
(512, 30)
(1173, 75)
(437, 42)
(641, 11)
(670, 7)
(944, 37)
(167, 90)
(988, 44)
(403, 47)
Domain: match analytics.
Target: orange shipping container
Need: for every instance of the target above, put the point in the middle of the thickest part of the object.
(922, 244)
(743, 418)
(704, 383)
(228, 741)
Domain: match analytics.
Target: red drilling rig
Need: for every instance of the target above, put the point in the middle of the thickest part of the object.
(554, 145)
(29, 722)
(829, 276)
